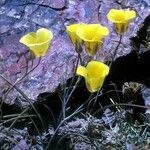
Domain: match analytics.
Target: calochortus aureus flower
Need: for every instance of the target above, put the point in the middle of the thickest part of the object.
(94, 74)
(121, 19)
(71, 30)
(38, 42)
(89, 35)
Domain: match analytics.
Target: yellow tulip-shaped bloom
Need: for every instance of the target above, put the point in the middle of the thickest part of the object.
(121, 19)
(91, 36)
(94, 74)
(38, 42)
(71, 30)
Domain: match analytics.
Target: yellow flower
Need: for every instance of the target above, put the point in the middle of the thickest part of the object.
(121, 19)
(38, 42)
(91, 35)
(94, 74)
(71, 30)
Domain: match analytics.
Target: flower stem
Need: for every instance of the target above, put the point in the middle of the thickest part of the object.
(115, 51)
(18, 81)
(25, 97)
(121, 104)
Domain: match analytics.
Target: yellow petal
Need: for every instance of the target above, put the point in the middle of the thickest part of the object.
(39, 49)
(29, 38)
(82, 71)
(92, 36)
(38, 42)
(116, 16)
(92, 32)
(94, 84)
(86, 33)
(121, 28)
(97, 69)
(103, 31)
(94, 73)
(71, 30)
(130, 14)
(120, 16)
(121, 19)
(92, 47)
(44, 35)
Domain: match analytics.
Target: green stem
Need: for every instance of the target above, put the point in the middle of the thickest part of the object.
(115, 51)
(80, 58)
(27, 73)
(76, 66)
(122, 104)
(24, 96)
(67, 98)
(61, 123)
(79, 109)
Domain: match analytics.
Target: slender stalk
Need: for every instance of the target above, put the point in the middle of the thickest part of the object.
(26, 74)
(76, 66)
(39, 134)
(79, 109)
(61, 123)
(15, 87)
(24, 111)
(14, 119)
(10, 116)
(115, 51)
(94, 99)
(80, 58)
(121, 104)
(73, 89)
(66, 97)
(24, 96)
(114, 104)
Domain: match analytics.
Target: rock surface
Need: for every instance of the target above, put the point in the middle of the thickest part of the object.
(20, 17)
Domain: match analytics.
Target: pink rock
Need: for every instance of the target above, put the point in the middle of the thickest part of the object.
(4, 29)
(58, 4)
(14, 69)
(59, 62)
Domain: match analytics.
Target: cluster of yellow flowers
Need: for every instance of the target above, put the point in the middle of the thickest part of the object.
(88, 36)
